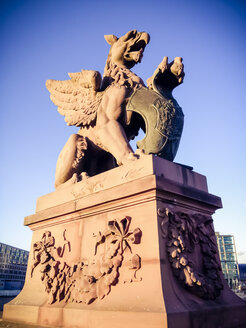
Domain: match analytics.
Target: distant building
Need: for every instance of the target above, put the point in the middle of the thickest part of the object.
(228, 257)
(242, 271)
(13, 265)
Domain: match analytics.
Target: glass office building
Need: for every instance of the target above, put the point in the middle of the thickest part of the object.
(242, 271)
(13, 265)
(228, 257)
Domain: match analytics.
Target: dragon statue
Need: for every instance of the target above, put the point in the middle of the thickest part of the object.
(111, 109)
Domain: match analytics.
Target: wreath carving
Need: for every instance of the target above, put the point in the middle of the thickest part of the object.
(192, 251)
(91, 278)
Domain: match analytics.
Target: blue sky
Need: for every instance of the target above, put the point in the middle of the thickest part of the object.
(43, 40)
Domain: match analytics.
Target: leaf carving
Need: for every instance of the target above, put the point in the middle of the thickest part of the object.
(187, 233)
(92, 279)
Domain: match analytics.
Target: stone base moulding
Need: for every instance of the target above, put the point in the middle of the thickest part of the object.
(134, 246)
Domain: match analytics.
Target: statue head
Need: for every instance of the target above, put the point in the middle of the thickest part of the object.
(127, 50)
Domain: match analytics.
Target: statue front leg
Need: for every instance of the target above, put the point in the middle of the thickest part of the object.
(109, 130)
(114, 140)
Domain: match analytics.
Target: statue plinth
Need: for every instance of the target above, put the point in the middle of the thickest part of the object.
(133, 246)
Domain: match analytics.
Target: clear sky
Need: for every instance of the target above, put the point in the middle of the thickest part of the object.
(45, 39)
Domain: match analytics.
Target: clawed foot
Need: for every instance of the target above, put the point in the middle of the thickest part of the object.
(82, 176)
(140, 153)
(134, 156)
(74, 179)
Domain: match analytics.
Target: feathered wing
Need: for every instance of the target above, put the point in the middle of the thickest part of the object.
(77, 99)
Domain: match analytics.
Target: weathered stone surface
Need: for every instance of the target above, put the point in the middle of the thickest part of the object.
(140, 253)
(99, 107)
(147, 165)
(8, 324)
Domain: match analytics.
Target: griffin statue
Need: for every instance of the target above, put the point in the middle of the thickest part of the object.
(110, 111)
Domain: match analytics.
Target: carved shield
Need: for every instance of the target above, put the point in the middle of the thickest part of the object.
(163, 119)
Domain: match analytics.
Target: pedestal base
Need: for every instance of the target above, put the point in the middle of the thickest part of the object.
(134, 247)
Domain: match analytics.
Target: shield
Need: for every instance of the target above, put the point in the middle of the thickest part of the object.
(164, 120)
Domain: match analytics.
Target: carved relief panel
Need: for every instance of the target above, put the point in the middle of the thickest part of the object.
(192, 251)
(93, 277)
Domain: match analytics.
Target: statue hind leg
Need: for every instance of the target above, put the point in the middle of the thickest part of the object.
(69, 163)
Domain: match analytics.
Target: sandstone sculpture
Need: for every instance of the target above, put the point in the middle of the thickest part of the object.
(91, 278)
(107, 111)
(134, 246)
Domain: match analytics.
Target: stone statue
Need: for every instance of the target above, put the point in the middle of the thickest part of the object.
(111, 110)
(98, 244)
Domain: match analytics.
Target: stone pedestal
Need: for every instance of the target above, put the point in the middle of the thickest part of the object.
(134, 246)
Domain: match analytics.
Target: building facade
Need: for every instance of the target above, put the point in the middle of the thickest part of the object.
(13, 265)
(228, 257)
(242, 270)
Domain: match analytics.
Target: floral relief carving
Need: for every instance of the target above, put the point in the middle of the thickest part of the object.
(192, 251)
(91, 278)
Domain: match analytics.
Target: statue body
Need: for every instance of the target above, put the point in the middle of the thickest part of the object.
(107, 110)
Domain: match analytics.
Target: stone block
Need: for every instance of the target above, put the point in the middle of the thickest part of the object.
(133, 246)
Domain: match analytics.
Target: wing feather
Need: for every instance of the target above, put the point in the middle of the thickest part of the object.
(78, 98)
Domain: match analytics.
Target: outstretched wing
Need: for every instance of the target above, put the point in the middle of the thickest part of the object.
(77, 99)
